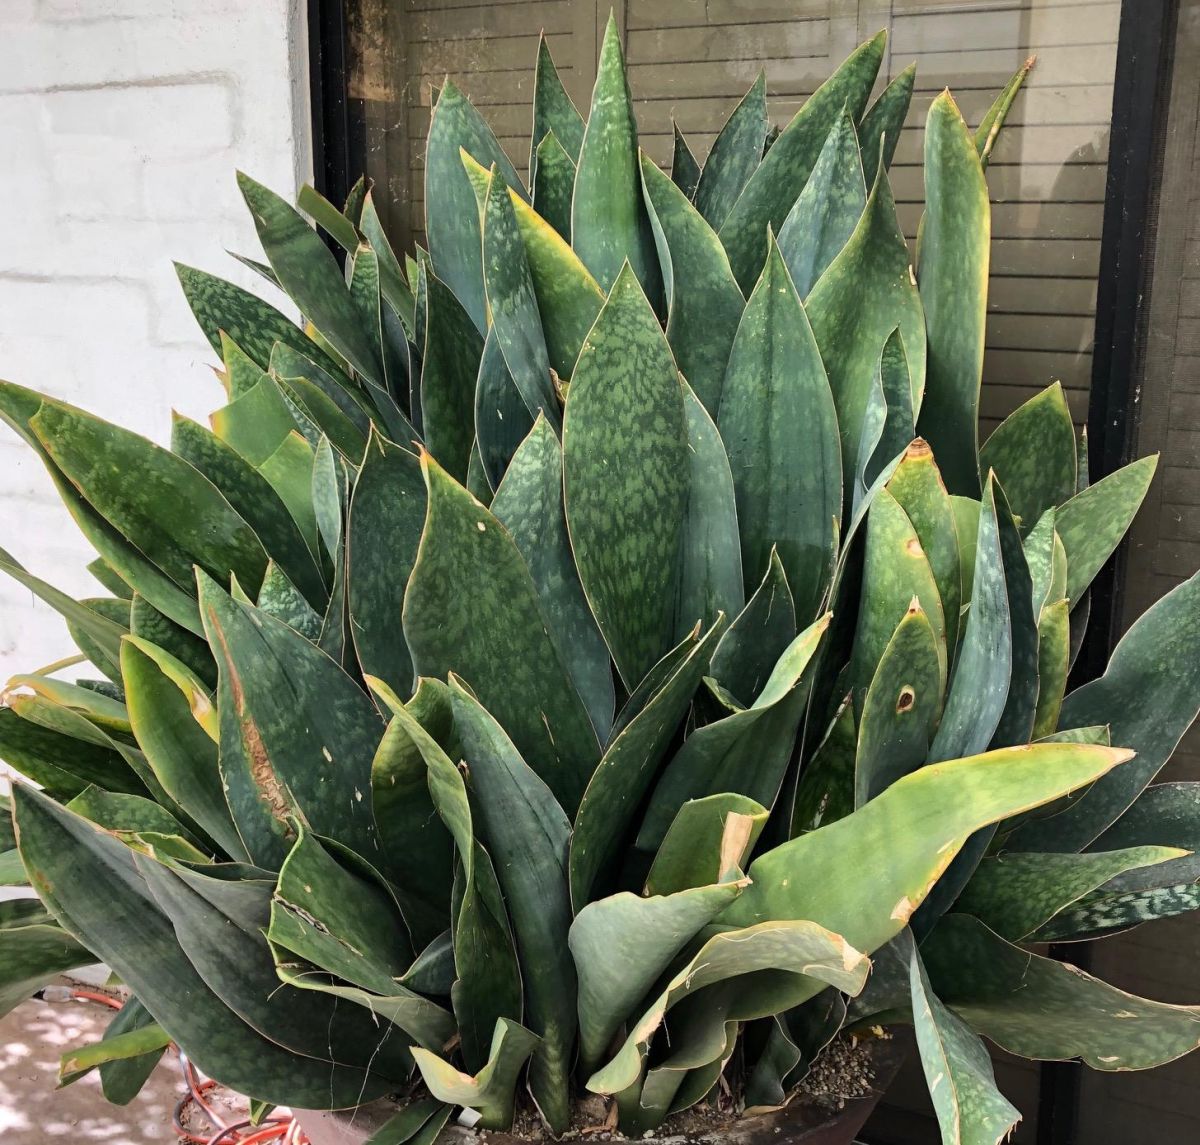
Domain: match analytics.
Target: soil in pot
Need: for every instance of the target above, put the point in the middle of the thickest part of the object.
(831, 1106)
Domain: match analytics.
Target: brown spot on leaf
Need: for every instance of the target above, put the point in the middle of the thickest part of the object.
(906, 699)
(262, 772)
(917, 448)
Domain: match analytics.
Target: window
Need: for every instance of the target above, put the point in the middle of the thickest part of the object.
(691, 60)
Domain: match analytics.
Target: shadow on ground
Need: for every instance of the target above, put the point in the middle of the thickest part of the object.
(34, 1112)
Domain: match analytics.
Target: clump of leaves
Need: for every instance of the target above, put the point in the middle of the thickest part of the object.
(598, 642)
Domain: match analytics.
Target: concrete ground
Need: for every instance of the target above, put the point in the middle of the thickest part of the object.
(34, 1112)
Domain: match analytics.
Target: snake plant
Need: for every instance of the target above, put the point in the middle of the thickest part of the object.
(595, 655)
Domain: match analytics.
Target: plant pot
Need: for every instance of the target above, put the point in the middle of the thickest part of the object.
(800, 1123)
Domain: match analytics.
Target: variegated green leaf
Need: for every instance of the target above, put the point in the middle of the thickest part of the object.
(529, 505)
(309, 273)
(779, 425)
(554, 112)
(780, 178)
(736, 153)
(512, 304)
(955, 241)
(468, 567)
(704, 304)
(1016, 894)
(1039, 1008)
(609, 226)
(1092, 523)
(625, 416)
(879, 131)
(823, 218)
(452, 223)
(1033, 454)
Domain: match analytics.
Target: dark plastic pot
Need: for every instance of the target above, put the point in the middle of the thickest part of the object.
(796, 1124)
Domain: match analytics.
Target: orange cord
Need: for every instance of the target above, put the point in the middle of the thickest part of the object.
(286, 1129)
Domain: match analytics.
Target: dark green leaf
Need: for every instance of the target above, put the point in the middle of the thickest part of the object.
(387, 514)
(311, 276)
(704, 304)
(609, 226)
(624, 774)
(529, 505)
(736, 153)
(451, 220)
(527, 833)
(449, 367)
(468, 567)
(252, 496)
(955, 239)
(779, 179)
(625, 421)
(554, 184)
(67, 856)
(745, 753)
(865, 294)
(879, 131)
(823, 218)
(297, 734)
(685, 171)
(779, 425)
(756, 639)
(502, 419)
(1149, 695)
(710, 555)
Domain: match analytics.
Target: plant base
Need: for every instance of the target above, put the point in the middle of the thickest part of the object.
(800, 1123)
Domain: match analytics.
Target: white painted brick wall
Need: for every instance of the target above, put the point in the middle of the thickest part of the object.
(121, 125)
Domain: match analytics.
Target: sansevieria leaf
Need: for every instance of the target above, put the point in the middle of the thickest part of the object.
(953, 276)
(609, 226)
(704, 303)
(625, 414)
(467, 566)
(451, 220)
(779, 425)
(779, 179)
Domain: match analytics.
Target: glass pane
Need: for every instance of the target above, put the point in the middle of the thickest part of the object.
(691, 60)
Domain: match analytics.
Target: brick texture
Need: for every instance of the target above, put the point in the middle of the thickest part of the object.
(122, 123)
